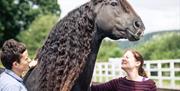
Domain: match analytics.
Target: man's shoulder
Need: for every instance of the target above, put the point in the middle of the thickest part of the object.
(7, 86)
(6, 82)
(9, 83)
(6, 79)
(1, 70)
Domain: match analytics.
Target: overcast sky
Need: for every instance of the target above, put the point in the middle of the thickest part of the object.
(156, 14)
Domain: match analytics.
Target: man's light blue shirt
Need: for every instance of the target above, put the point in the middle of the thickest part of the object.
(9, 81)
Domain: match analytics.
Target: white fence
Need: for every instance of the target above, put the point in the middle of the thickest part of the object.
(166, 73)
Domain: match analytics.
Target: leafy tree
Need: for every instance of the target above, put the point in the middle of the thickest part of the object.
(108, 49)
(35, 35)
(166, 46)
(17, 15)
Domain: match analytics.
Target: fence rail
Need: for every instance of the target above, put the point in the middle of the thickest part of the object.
(166, 73)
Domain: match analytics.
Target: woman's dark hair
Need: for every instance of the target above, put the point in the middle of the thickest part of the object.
(139, 57)
(11, 52)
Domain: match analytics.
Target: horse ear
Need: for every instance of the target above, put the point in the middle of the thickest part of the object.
(96, 1)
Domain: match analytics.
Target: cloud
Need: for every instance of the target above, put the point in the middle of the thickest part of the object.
(159, 14)
(68, 5)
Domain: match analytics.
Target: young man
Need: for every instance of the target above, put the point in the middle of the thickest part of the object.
(14, 57)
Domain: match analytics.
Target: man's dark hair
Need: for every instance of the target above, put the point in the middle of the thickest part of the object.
(11, 52)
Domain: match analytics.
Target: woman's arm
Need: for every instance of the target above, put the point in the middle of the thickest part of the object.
(153, 86)
(108, 86)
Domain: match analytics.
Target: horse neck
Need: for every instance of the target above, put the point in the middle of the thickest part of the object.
(73, 39)
(84, 78)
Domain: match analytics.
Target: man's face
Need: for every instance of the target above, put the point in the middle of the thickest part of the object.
(24, 62)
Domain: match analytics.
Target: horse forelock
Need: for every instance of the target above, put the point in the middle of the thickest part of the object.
(63, 55)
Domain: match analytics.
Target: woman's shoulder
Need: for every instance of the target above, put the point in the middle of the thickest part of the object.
(144, 81)
(150, 81)
(118, 79)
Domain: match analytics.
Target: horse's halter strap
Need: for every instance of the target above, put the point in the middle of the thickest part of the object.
(134, 33)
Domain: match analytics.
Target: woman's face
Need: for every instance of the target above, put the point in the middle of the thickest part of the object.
(129, 62)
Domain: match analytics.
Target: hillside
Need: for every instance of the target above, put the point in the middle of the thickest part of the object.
(127, 44)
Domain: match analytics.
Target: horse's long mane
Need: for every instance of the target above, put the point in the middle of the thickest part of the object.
(67, 58)
(64, 53)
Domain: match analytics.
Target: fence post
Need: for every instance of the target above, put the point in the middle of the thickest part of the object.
(172, 73)
(160, 74)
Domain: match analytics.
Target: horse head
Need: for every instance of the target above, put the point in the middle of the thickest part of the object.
(117, 19)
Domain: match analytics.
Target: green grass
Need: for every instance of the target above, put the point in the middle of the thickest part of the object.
(177, 82)
(166, 83)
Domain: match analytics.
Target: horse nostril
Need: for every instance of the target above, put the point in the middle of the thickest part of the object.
(137, 24)
(140, 34)
(114, 3)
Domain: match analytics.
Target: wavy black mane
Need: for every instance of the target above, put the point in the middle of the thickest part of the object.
(64, 53)
(67, 58)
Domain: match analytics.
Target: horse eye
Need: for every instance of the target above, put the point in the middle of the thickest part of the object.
(114, 3)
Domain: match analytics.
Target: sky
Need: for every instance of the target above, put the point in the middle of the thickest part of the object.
(157, 15)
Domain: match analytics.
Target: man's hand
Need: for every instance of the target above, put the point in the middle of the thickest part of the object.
(33, 63)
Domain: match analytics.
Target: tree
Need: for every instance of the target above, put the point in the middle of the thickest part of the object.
(37, 32)
(163, 46)
(17, 15)
(108, 49)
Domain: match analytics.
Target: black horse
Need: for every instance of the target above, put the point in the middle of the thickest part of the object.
(66, 60)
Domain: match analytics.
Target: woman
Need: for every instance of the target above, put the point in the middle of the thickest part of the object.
(136, 79)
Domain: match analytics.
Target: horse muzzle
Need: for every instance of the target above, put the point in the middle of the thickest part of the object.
(136, 30)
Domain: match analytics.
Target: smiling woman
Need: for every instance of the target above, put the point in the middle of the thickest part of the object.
(136, 79)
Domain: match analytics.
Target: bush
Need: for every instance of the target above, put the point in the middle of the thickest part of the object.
(108, 49)
(37, 32)
(166, 46)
